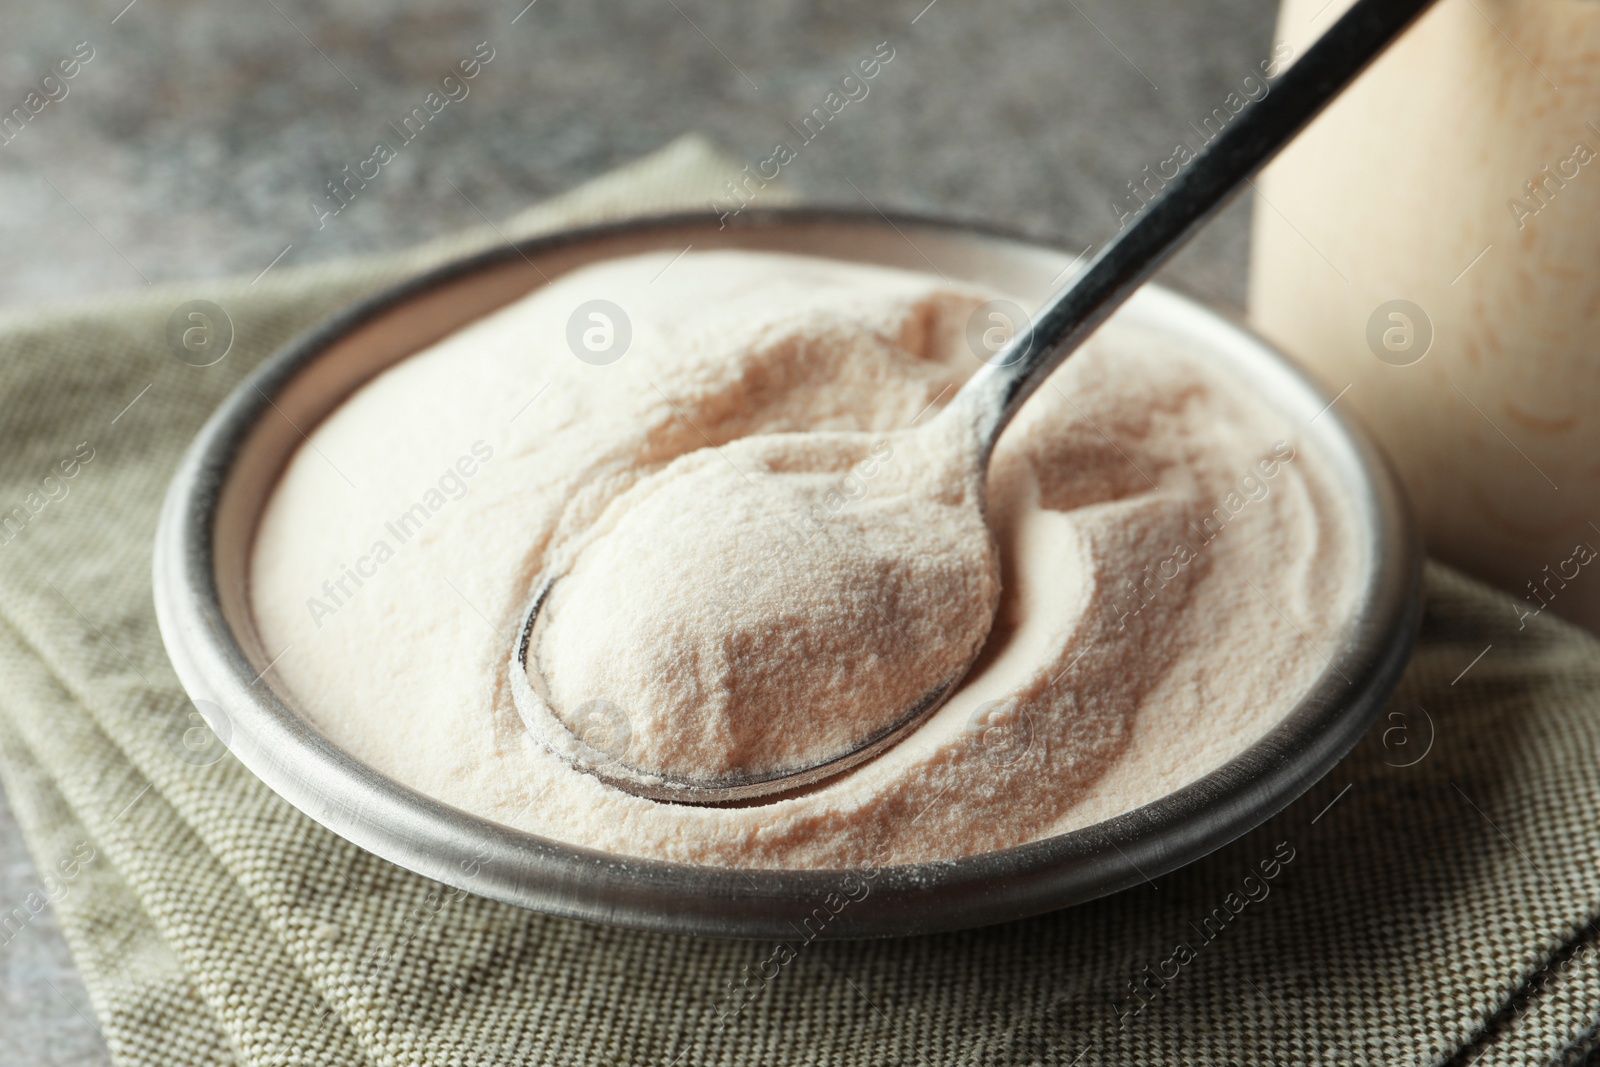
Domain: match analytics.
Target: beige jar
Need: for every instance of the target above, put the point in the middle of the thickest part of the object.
(1430, 249)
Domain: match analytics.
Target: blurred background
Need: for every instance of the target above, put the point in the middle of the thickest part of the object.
(191, 143)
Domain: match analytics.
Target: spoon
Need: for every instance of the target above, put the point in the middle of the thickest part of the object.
(985, 405)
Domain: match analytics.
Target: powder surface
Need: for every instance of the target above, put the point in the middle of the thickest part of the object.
(1172, 560)
(743, 627)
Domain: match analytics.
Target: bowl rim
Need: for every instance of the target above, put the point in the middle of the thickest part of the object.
(478, 855)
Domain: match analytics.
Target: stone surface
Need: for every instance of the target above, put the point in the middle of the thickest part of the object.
(192, 143)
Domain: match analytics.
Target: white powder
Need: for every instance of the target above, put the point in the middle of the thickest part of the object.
(1130, 502)
(742, 627)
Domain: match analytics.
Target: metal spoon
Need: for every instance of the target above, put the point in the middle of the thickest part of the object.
(989, 400)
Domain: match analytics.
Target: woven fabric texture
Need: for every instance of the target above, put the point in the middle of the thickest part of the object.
(1429, 902)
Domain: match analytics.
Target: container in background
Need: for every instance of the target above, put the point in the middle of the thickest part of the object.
(1430, 249)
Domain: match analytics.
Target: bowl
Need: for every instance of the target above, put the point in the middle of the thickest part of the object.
(217, 496)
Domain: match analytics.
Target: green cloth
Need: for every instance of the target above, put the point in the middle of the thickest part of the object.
(1430, 901)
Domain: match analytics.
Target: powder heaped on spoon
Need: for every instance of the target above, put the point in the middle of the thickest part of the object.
(744, 625)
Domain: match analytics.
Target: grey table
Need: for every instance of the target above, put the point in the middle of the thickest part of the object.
(192, 143)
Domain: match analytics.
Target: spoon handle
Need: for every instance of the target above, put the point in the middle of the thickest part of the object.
(993, 395)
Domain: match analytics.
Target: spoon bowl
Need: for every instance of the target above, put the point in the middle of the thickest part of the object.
(605, 756)
(745, 701)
